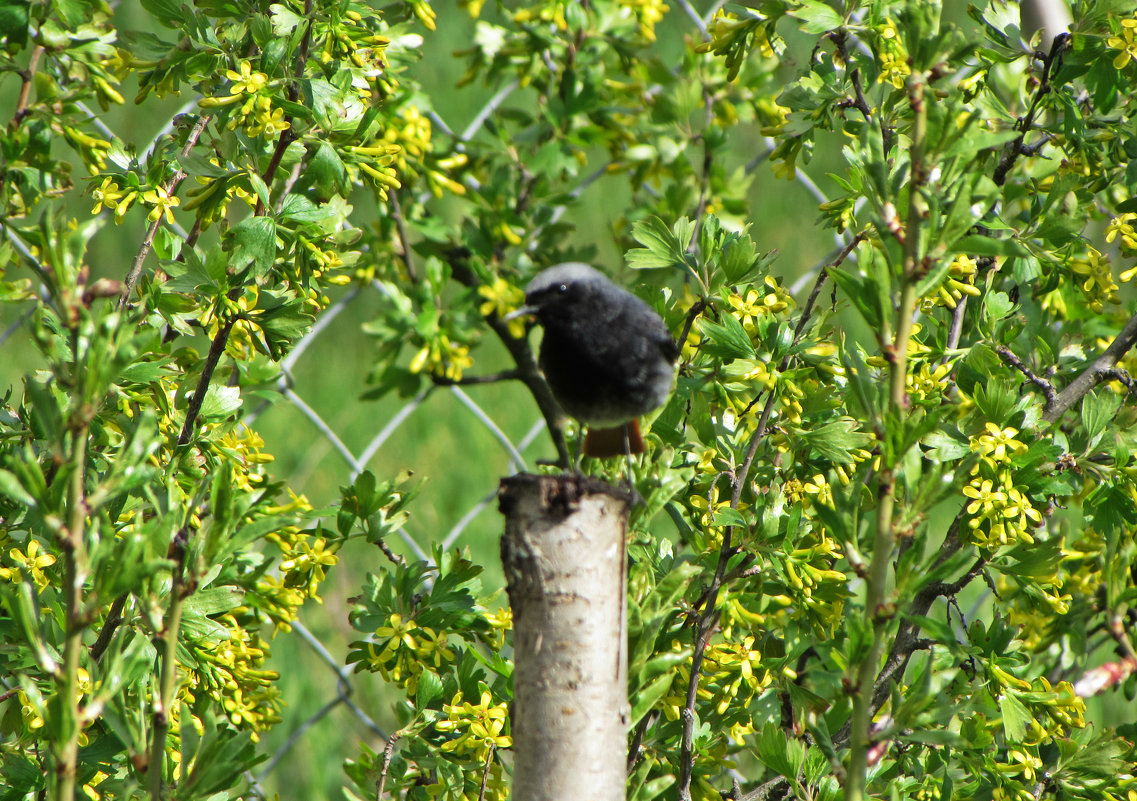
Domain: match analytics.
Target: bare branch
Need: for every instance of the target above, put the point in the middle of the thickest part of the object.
(1101, 368)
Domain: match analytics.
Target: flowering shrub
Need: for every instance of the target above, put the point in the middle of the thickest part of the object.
(887, 536)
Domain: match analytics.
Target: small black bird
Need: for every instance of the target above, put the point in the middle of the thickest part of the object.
(607, 356)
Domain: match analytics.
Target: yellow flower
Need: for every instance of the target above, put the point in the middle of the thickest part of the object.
(984, 495)
(1126, 43)
(819, 488)
(893, 59)
(162, 203)
(1123, 226)
(266, 120)
(997, 445)
(442, 357)
(501, 297)
(246, 81)
(1098, 285)
(32, 563)
(647, 13)
(106, 194)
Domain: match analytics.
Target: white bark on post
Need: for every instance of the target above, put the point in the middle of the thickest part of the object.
(564, 558)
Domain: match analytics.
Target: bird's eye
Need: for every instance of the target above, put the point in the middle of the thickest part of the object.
(563, 289)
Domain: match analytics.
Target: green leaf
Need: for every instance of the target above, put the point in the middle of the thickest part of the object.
(1098, 411)
(836, 440)
(220, 401)
(943, 447)
(818, 17)
(976, 245)
(781, 755)
(429, 688)
(865, 294)
(215, 600)
(14, 21)
(253, 241)
(663, 246)
(1016, 718)
(11, 487)
(647, 697)
(996, 306)
(170, 13)
(729, 339)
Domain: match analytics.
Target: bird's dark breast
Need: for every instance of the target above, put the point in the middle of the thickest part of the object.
(602, 378)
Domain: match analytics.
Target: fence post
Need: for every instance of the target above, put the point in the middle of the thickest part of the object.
(564, 556)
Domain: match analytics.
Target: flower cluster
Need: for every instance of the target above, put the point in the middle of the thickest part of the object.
(232, 672)
(959, 281)
(478, 727)
(647, 13)
(893, 58)
(401, 650)
(442, 357)
(501, 298)
(1000, 514)
(1094, 277)
(28, 563)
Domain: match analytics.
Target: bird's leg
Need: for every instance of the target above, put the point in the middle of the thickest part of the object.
(579, 450)
(628, 454)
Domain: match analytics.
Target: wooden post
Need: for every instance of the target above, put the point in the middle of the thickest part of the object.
(564, 558)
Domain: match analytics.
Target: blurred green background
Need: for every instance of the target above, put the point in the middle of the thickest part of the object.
(440, 441)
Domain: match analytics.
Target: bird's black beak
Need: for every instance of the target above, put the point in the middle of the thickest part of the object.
(524, 311)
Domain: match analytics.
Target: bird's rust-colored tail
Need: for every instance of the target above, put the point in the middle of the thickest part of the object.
(604, 443)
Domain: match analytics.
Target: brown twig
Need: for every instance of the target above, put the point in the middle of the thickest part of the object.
(170, 188)
(486, 773)
(637, 741)
(1100, 368)
(216, 349)
(859, 102)
(1026, 122)
(1007, 355)
(528, 372)
(388, 753)
(492, 378)
(393, 557)
(27, 78)
(401, 227)
(114, 617)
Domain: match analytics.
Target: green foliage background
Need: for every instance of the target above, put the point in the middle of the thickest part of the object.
(874, 558)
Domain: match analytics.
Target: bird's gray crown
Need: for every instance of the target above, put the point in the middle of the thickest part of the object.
(567, 273)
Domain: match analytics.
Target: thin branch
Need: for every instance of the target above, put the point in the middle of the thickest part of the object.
(1089, 378)
(404, 240)
(859, 102)
(1014, 361)
(807, 309)
(486, 773)
(110, 625)
(388, 753)
(955, 330)
(27, 78)
(527, 370)
(637, 741)
(216, 349)
(467, 380)
(1026, 122)
(170, 188)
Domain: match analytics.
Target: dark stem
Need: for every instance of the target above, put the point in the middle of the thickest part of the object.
(170, 188)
